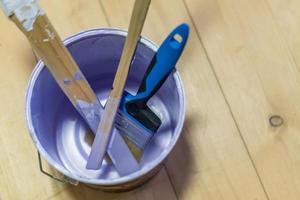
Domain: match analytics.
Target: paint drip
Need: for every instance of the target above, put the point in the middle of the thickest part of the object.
(78, 76)
(91, 112)
(67, 81)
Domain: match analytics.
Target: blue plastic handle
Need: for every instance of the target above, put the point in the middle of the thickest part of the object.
(162, 64)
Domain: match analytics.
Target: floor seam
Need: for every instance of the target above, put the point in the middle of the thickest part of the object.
(226, 100)
(170, 180)
(104, 13)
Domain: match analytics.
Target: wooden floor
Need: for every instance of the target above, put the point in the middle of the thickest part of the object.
(241, 138)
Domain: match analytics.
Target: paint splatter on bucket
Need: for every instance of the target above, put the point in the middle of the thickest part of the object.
(62, 137)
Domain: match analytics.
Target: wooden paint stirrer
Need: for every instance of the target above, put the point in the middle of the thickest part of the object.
(103, 134)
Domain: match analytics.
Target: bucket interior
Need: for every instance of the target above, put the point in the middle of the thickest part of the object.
(61, 132)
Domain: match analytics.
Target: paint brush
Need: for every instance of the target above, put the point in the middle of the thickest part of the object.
(133, 108)
(33, 22)
(104, 130)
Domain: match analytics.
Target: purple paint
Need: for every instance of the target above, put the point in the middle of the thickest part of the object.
(61, 135)
(67, 81)
(78, 76)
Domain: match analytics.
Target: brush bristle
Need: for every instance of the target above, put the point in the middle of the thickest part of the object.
(143, 114)
(132, 129)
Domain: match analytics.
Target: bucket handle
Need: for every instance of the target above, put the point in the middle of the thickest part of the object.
(64, 178)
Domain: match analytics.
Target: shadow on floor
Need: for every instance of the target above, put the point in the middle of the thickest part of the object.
(180, 161)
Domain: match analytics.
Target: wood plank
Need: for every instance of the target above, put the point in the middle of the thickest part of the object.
(18, 157)
(71, 17)
(20, 177)
(260, 79)
(286, 15)
(210, 160)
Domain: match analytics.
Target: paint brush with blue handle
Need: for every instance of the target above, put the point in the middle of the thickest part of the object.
(133, 113)
(134, 108)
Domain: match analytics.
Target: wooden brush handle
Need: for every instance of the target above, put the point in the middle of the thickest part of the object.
(50, 48)
(135, 28)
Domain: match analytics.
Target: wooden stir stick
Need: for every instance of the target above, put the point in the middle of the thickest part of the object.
(105, 127)
(50, 48)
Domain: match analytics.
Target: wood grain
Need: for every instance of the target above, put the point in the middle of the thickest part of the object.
(210, 160)
(257, 68)
(71, 16)
(241, 67)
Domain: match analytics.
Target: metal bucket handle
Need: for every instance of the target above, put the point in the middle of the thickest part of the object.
(64, 178)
